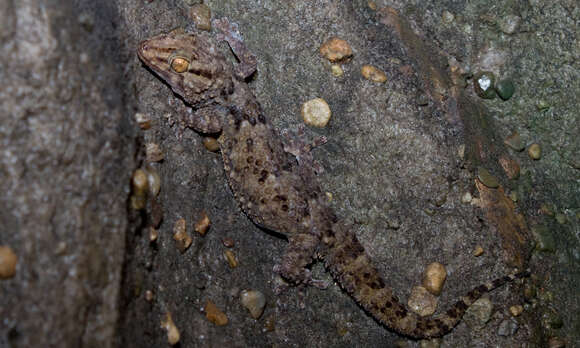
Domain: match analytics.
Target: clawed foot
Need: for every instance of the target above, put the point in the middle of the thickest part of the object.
(302, 149)
(301, 277)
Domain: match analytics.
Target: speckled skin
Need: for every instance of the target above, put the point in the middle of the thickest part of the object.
(276, 189)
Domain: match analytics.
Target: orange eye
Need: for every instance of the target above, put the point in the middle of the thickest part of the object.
(179, 64)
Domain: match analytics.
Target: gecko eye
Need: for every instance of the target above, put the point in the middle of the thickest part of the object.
(179, 64)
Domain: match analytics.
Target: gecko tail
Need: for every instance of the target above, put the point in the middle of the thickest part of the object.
(347, 261)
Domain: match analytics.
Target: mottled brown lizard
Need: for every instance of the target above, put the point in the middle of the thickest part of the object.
(275, 183)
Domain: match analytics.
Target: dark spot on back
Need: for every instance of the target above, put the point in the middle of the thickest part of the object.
(261, 118)
(284, 207)
(263, 176)
(462, 306)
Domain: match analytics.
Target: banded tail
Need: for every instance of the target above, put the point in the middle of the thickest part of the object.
(347, 261)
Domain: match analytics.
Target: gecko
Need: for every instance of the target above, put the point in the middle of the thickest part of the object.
(275, 183)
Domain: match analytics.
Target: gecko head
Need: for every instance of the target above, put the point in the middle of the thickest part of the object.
(190, 63)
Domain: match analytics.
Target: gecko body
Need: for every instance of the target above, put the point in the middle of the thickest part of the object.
(277, 188)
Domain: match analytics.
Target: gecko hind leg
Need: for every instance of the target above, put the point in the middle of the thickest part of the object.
(295, 143)
(298, 255)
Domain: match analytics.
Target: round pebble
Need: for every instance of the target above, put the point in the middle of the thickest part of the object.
(374, 74)
(153, 181)
(254, 301)
(336, 70)
(535, 151)
(316, 112)
(203, 224)
(139, 182)
(478, 251)
(483, 83)
(211, 144)
(231, 258)
(8, 261)
(486, 178)
(214, 314)
(422, 301)
(336, 50)
(173, 335)
(516, 310)
(182, 239)
(143, 120)
(434, 278)
(505, 89)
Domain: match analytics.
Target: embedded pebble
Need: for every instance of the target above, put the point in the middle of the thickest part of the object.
(231, 258)
(478, 251)
(535, 151)
(561, 218)
(254, 301)
(201, 16)
(422, 301)
(514, 196)
(149, 295)
(447, 17)
(139, 186)
(507, 327)
(182, 239)
(138, 202)
(153, 181)
(372, 5)
(466, 198)
(510, 167)
(542, 105)
(505, 89)
(316, 112)
(139, 182)
(8, 261)
(211, 144)
(214, 314)
(173, 335)
(434, 278)
(153, 152)
(202, 225)
(374, 74)
(153, 234)
(516, 310)
(483, 83)
(336, 70)
(486, 178)
(514, 141)
(228, 242)
(479, 313)
(143, 120)
(509, 24)
(335, 50)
